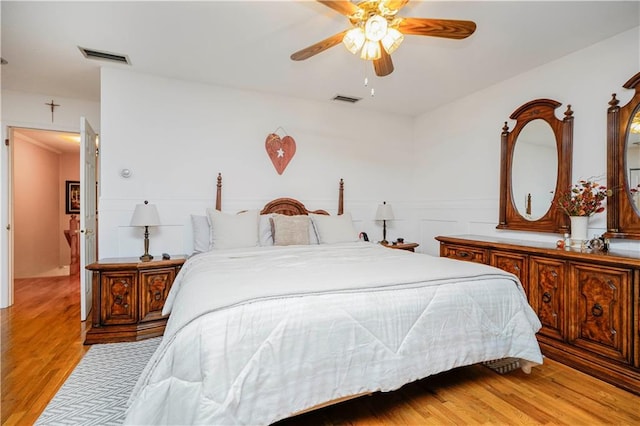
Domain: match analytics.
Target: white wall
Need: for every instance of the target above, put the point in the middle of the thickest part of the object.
(176, 136)
(458, 145)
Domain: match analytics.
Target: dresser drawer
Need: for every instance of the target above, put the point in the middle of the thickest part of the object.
(469, 254)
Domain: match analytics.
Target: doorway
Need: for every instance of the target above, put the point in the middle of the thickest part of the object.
(45, 176)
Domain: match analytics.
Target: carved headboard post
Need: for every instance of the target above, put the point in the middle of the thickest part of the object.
(219, 193)
(286, 206)
(341, 198)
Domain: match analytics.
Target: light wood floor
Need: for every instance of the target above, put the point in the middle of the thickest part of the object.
(41, 344)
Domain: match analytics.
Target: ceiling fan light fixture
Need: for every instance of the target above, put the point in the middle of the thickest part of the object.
(370, 51)
(353, 40)
(375, 28)
(392, 40)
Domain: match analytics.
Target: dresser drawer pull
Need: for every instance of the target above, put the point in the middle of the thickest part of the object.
(546, 297)
(597, 310)
(463, 254)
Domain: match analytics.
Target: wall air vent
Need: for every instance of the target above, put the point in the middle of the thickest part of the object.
(104, 56)
(343, 98)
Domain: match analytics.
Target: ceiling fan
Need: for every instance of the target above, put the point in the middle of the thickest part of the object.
(378, 31)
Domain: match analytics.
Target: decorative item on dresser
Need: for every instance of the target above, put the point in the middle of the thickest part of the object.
(579, 202)
(128, 297)
(588, 301)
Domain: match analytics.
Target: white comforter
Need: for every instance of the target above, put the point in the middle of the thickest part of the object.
(256, 335)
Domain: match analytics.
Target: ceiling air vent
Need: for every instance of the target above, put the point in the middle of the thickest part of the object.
(104, 56)
(343, 98)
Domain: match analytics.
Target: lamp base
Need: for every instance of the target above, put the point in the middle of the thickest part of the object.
(384, 242)
(146, 257)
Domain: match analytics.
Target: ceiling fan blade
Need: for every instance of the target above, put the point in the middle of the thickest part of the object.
(345, 7)
(447, 28)
(319, 47)
(394, 4)
(384, 65)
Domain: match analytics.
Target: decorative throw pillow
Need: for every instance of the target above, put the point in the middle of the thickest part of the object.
(233, 230)
(290, 230)
(201, 233)
(334, 229)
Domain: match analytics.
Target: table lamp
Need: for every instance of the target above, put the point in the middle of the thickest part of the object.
(384, 213)
(145, 215)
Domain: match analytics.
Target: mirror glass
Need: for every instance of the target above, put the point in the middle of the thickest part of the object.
(535, 169)
(633, 159)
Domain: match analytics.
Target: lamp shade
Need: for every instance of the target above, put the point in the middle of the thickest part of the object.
(145, 215)
(384, 212)
(354, 39)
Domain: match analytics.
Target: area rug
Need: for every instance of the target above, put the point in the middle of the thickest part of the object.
(97, 390)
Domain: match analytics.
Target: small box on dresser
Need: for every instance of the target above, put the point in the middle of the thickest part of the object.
(128, 297)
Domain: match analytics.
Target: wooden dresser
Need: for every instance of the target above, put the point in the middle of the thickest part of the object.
(128, 297)
(588, 302)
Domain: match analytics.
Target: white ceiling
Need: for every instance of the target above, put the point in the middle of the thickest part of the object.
(247, 45)
(58, 142)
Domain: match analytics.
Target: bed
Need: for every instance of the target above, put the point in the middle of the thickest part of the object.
(262, 332)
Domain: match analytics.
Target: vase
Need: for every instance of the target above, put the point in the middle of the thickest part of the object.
(578, 230)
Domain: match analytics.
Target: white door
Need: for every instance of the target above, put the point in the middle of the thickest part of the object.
(88, 203)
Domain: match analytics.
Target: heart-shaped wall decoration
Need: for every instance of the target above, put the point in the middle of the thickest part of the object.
(280, 151)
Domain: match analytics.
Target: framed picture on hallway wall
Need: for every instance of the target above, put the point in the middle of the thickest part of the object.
(72, 197)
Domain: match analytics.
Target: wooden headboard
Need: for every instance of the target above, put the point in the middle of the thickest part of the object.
(286, 206)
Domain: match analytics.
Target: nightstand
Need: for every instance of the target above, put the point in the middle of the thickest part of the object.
(128, 297)
(403, 246)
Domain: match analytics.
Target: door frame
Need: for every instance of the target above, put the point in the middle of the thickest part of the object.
(6, 203)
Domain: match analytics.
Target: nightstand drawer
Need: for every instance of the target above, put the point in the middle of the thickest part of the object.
(154, 287)
(118, 298)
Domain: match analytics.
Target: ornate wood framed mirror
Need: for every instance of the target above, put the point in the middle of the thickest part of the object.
(623, 165)
(535, 165)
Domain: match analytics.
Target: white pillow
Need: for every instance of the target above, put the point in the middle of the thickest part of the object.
(290, 230)
(233, 230)
(201, 233)
(264, 230)
(334, 229)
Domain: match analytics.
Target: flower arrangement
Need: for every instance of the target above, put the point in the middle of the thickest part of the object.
(583, 198)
